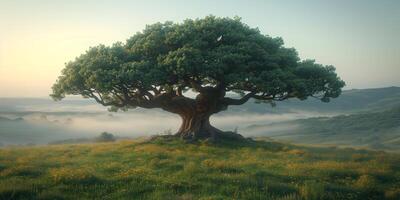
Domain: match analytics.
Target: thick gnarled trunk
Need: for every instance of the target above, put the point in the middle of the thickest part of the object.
(197, 126)
(195, 113)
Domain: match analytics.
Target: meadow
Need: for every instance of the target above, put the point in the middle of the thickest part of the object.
(173, 169)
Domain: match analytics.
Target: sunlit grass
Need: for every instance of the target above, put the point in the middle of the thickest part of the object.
(176, 170)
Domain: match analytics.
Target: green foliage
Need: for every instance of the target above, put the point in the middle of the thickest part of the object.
(213, 51)
(105, 137)
(172, 169)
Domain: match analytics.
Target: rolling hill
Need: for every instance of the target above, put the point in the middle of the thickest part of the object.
(171, 169)
(373, 129)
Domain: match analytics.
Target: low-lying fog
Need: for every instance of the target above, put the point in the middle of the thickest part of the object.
(41, 122)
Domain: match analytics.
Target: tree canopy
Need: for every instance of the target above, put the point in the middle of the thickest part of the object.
(211, 56)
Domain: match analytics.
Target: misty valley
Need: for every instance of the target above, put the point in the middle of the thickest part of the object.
(368, 118)
(218, 100)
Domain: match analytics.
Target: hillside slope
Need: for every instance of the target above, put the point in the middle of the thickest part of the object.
(175, 170)
(377, 130)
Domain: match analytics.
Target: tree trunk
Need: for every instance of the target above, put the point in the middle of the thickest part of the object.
(195, 113)
(197, 126)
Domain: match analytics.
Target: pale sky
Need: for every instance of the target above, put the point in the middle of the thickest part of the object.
(361, 38)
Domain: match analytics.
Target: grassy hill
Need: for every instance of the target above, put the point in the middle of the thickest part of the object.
(377, 130)
(172, 169)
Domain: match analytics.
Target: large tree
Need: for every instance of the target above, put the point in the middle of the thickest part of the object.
(212, 57)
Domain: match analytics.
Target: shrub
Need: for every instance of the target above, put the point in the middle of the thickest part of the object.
(105, 137)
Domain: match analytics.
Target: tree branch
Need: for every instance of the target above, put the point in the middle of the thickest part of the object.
(244, 99)
(99, 99)
(195, 85)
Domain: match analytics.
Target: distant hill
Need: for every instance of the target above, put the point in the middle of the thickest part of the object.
(350, 101)
(5, 119)
(377, 130)
(42, 104)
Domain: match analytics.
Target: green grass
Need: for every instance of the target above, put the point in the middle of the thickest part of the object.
(176, 170)
(377, 130)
